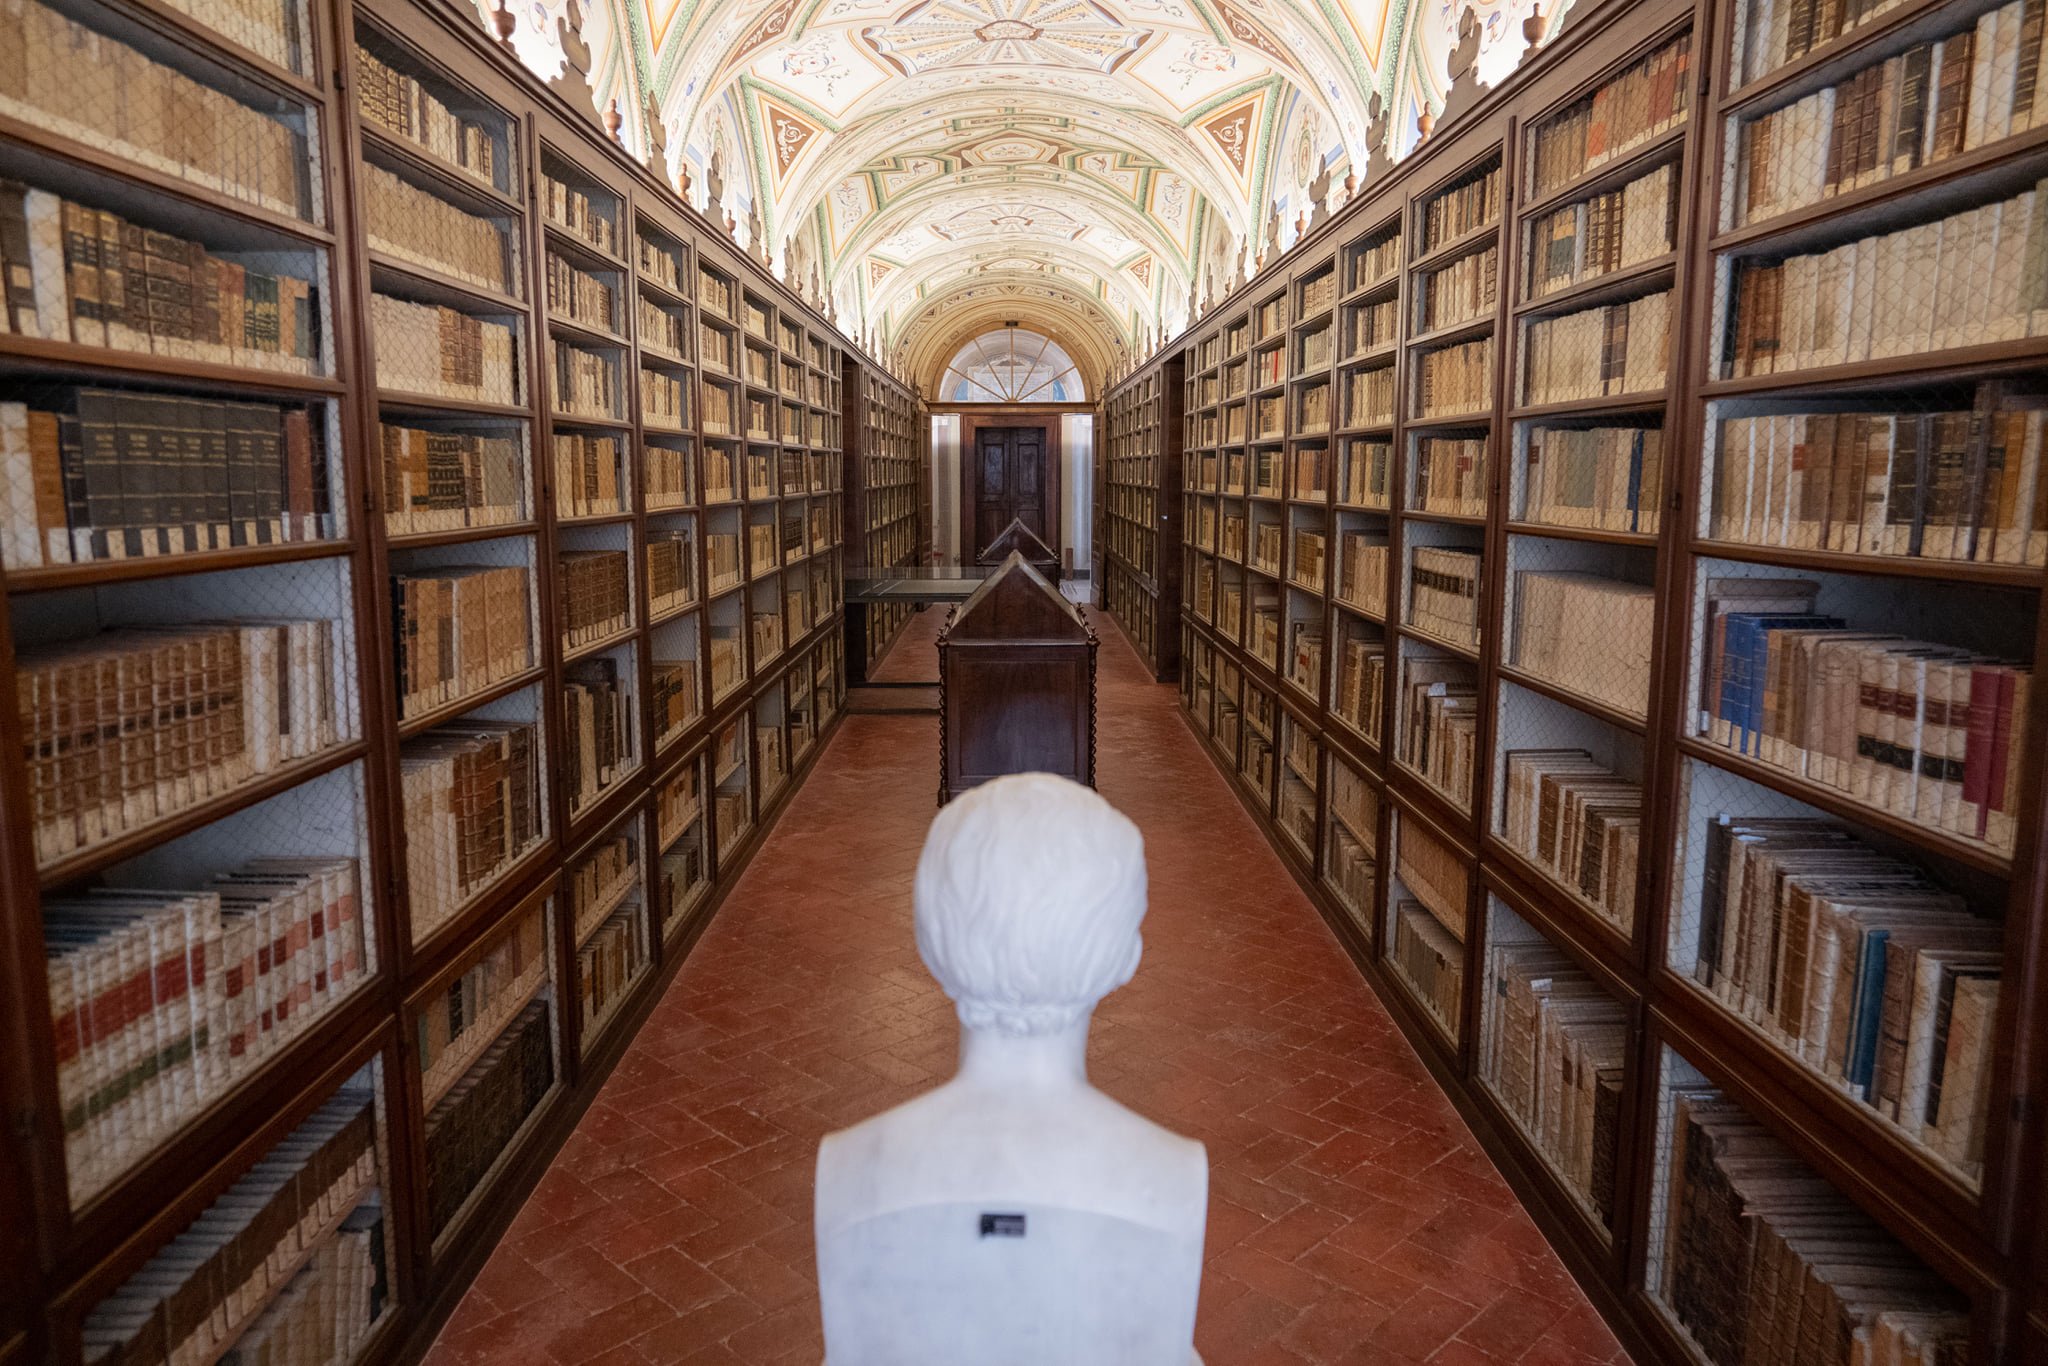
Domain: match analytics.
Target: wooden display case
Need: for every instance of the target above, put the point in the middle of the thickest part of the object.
(1016, 683)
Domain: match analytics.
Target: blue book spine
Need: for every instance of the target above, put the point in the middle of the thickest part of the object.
(1730, 709)
(1635, 482)
(1866, 1012)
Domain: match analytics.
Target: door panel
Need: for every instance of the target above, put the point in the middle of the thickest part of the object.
(1012, 484)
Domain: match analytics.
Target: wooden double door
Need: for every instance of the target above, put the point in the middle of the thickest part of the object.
(1012, 479)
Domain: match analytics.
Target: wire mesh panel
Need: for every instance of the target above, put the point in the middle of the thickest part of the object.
(194, 922)
(415, 220)
(771, 744)
(1444, 577)
(591, 475)
(600, 724)
(489, 1047)
(1448, 474)
(609, 965)
(1262, 627)
(1306, 642)
(1858, 294)
(230, 292)
(671, 554)
(668, 473)
(1255, 760)
(1460, 291)
(678, 698)
(1581, 618)
(1453, 381)
(1300, 778)
(663, 329)
(92, 74)
(799, 707)
(1428, 903)
(764, 621)
(427, 349)
(682, 837)
(732, 785)
(214, 682)
(94, 473)
(594, 587)
(1858, 959)
(1437, 721)
(728, 646)
(1952, 92)
(450, 474)
(603, 876)
(582, 208)
(723, 553)
(1569, 798)
(1599, 352)
(405, 97)
(1606, 233)
(1351, 842)
(1743, 1236)
(664, 398)
(586, 381)
(1602, 476)
(1364, 474)
(303, 1230)
(1943, 472)
(474, 796)
(1553, 1050)
(464, 619)
(1890, 694)
(1358, 673)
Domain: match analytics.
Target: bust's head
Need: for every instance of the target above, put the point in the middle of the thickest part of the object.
(1029, 894)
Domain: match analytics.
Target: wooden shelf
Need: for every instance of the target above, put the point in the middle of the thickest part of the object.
(79, 864)
(95, 573)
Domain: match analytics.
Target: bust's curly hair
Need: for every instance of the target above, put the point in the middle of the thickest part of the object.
(1028, 898)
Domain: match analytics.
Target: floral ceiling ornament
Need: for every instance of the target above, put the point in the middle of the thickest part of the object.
(942, 34)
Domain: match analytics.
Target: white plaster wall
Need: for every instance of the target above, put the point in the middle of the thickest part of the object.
(1077, 487)
(946, 487)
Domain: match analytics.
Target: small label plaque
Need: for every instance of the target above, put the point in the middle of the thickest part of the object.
(1002, 1226)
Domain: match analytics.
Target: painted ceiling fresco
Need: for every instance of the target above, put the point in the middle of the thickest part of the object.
(935, 163)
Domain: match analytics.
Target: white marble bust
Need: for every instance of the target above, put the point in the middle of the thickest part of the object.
(1016, 1216)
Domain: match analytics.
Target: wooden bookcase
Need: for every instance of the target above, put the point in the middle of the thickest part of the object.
(449, 272)
(888, 483)
(1137, 505)
(1393, 798)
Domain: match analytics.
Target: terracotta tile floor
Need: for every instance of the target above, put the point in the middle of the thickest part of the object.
(1352, 1218)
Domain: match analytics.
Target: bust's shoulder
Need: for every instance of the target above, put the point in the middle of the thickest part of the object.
(950, 1144)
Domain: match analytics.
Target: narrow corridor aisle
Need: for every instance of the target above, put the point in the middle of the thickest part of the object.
(1352, 1217)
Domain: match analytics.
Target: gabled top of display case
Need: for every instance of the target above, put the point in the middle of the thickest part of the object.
(1020, 539)
(1017, 603)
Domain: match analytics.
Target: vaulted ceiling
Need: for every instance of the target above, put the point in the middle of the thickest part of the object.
(937, 164)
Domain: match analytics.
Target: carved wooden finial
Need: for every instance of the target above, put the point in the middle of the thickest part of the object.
(505, 23)
(614, 121)
(683, 182)
(572, 82)
(1464, 89)
(1319, 194)
(1425, 124)
(657, 142)
(1378, 159)
(1532, 31)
